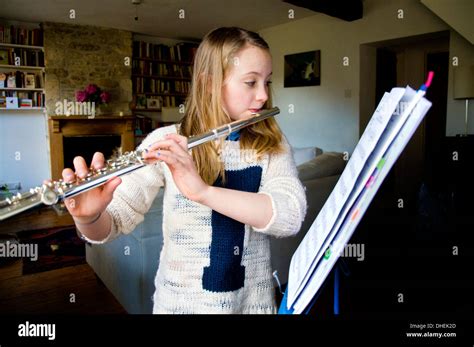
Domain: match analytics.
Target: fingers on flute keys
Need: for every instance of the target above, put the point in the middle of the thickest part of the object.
(81, 169)
(164, 148)
(98, 161)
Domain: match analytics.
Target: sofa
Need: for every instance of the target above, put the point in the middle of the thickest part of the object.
(127, 265)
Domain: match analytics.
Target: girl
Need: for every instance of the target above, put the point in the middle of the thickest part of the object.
(222, 200)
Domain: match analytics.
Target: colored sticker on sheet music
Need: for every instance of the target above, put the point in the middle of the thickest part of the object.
(327, 254)
(355, 214)
(381, 163)
(370, 181)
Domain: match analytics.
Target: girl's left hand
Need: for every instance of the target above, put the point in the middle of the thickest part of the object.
(173, 150)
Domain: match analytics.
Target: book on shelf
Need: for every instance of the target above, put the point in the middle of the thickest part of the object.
(143, 125)
(4, 56)
(30, 80)
(21, 57)
(143, 101)
(183, 52)
(156, 85)
(171, 101)
(21, 36)
(26, 103)
(11, 81)
(20, 79)
(37, 98)
(12, 102)
(392, 125)
(155, 69)
(161, 74)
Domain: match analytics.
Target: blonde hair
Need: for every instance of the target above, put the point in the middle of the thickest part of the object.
(204, 109)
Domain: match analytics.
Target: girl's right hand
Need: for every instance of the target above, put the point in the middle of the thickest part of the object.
(87, 206)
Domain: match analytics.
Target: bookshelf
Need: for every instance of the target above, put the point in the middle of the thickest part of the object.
(21, 68)
(161, 77)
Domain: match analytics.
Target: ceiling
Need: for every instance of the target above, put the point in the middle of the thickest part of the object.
(457, 14)
(343, 9)
(156, 17)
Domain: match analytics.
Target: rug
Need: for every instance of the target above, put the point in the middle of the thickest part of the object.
(57, 248)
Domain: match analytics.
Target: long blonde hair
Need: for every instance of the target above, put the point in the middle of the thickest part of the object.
(204, 109)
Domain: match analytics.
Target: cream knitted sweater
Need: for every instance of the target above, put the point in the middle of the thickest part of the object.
(211, 263)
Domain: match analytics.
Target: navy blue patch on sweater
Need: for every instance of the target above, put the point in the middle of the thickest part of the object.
(225, 273)
(235, 136)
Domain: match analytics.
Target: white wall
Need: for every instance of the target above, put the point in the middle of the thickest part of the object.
(323, 116)
(24, 132)
(455, 124)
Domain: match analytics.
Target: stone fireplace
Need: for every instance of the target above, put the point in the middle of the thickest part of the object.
(78, 55)
(78, 135)
(75, 56)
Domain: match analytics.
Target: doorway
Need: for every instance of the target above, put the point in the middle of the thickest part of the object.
(403, 62)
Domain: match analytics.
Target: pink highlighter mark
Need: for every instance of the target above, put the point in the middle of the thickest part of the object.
(369, 182)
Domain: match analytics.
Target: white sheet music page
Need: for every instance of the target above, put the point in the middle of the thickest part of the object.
(362, 202)
(312, 243)
(396, 121)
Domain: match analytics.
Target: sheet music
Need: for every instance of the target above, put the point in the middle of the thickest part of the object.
(321, 227)
(364, 164)
(360, 206)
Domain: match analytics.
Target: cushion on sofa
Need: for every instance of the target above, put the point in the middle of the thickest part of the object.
(326, 164)
(304, 154)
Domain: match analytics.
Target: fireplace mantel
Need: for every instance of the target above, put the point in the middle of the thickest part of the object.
(64, 126)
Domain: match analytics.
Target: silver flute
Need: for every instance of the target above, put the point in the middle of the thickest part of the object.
(56, 191)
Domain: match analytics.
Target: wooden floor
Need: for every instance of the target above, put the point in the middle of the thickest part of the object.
(50, 292)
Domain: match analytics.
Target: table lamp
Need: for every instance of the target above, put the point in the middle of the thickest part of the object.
(464, 87)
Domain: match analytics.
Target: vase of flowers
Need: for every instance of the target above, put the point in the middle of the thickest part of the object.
(93, 93)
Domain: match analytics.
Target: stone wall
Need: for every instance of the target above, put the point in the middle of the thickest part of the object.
(77, 55)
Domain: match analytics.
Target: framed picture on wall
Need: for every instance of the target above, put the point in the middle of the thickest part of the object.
(303, 69)
(30, 80)
(153, 104)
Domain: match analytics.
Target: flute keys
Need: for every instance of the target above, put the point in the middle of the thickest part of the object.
(65, 184)
(48, 196)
